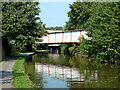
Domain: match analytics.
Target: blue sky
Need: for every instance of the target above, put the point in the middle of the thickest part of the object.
(54, 13)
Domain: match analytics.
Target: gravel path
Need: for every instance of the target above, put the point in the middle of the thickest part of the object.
(6, 71)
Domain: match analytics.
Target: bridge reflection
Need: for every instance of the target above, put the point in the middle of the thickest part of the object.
(66, 73)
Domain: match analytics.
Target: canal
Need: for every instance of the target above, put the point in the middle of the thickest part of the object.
(64, 71)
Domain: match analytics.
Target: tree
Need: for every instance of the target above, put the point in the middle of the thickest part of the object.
(78, 15)
(101, 21)
(103, 28)
(20, 23)
(55, 28)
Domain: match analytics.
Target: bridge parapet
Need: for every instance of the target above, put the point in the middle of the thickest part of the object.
(63, 37)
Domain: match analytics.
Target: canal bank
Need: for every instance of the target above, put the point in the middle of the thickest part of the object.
(6, 70)
(20, 78)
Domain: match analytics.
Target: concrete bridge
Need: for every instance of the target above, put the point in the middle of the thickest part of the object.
(60, 36)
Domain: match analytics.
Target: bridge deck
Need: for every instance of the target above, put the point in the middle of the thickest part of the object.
(63, 37)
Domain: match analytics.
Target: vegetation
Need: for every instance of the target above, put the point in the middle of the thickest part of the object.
(21, 80)
(78, 15)
(29, 65)
(55, 28)
(20, 23)
(65, 48)
(101, 21)
(22, 26)
(70, 49)
(15, 53)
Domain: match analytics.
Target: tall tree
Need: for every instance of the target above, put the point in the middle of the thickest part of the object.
(20, 22)
(78, 15)
(103, 28)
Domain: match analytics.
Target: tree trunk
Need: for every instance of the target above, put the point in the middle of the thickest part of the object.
(29, 48)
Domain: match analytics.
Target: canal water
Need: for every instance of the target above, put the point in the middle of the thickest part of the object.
(63, 71)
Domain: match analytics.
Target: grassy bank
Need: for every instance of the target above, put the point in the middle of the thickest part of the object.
(20, 78)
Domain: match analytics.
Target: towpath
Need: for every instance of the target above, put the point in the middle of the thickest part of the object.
(6, 77)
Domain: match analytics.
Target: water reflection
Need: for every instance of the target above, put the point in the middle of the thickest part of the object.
(65, 73)
(54, 56)
(62, 71)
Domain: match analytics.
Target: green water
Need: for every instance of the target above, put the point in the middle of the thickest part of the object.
(63, 71)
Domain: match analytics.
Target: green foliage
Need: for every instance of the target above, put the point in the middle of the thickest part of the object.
(103, 28)
(101, 21)
(78, 15)
(72, 49)
(20, 22)
(65, 48)
(20, 47)
(42, 47)
(69, 49)
(34, 46)
(55, 28)
(14, 53)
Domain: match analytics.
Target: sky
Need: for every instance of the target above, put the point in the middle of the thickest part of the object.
(54, 13)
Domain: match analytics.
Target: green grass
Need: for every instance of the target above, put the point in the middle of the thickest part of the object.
(20, 78)
(14, 53)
